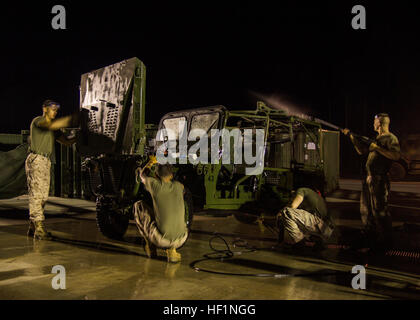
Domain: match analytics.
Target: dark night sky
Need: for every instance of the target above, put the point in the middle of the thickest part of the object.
(218, 53)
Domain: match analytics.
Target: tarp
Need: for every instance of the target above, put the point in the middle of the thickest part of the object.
(12, 172)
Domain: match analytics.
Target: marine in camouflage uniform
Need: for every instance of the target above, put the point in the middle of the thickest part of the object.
(374, 211)
(43, 134)
(146, 224)
(162, 226)
(306, 216)
(38, 168)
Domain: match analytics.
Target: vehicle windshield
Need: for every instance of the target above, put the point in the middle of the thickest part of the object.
(206, 121)
(174, 127)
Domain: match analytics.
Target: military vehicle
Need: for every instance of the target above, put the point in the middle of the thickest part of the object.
(297, 152)
(114, 140)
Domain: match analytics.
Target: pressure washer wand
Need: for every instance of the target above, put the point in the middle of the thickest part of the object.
(364, 139)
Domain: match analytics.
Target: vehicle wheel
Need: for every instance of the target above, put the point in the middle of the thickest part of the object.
(189, 207)
(189, 213)
(397, 172)
(112, 224)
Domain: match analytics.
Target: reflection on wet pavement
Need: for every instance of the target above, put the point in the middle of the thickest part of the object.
(101, 268)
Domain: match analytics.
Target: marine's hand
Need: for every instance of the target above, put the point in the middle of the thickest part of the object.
(152, 159)
(373, 146)
(368, 179)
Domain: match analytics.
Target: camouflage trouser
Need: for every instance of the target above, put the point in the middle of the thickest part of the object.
(298, 224)
(146, 225)
(38, 179)
(374, 208)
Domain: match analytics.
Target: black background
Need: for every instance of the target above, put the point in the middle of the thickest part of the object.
(207, 52)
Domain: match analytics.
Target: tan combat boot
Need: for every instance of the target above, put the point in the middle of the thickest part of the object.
(173, 256)
(150, 249)
(40, 232)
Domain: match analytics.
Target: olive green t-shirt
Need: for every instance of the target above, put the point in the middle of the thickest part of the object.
(168, 204)
(313, 203)
(42, 140)
(376, 163)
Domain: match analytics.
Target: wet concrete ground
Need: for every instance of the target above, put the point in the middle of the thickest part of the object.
(100, 268)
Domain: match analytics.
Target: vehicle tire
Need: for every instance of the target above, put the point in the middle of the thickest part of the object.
(397, 172)
(189, 207)
(111, 224)
(189, 212)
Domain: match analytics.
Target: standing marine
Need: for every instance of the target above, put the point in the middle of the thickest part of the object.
(374, 211)
(44, 132)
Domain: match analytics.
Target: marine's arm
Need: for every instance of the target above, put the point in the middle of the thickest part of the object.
(55, 124)
(294, 204)
(296, 201)
(390, 154)
(359, 149)
(141, 172)
(357, 146)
